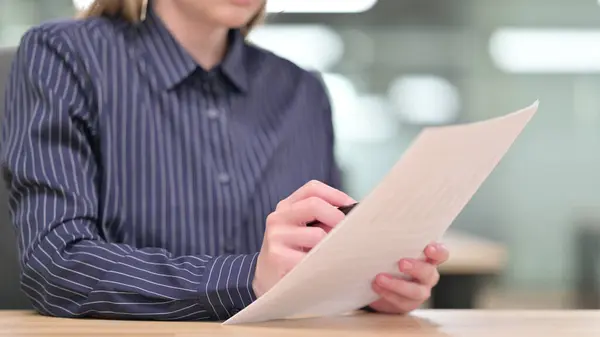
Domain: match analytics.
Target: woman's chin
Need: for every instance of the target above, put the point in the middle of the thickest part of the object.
(234, 18)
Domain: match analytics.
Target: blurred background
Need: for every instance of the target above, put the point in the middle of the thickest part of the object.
(529, 238)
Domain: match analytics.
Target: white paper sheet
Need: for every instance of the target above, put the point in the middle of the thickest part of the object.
(412, 206)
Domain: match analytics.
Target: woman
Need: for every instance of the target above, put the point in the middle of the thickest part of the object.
(158, 165)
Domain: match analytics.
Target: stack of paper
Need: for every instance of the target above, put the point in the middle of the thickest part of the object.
(411, 207)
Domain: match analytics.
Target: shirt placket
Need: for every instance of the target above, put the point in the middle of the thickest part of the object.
(223, 173)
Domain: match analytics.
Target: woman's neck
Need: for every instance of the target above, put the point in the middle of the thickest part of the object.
(205, 42)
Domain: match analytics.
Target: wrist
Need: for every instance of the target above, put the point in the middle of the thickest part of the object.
(257, 287)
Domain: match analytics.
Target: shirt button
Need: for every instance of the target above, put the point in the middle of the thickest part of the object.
(212, 113)
(224, 178)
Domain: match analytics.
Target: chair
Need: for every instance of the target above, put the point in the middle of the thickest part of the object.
(11, 296)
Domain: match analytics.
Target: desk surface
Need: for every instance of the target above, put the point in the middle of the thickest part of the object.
(423, 323)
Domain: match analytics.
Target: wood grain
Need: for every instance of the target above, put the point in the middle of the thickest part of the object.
(425, 323)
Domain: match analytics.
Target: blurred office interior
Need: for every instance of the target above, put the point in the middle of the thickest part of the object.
(395, 66)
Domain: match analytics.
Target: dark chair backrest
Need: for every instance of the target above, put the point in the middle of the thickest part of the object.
(11, 296)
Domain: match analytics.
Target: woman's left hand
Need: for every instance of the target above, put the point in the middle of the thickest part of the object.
(400, 296)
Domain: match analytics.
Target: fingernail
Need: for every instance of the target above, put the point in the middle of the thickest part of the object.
(406, 265)
(432, 249)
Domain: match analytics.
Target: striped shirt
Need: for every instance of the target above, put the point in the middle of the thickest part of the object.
(139, 182)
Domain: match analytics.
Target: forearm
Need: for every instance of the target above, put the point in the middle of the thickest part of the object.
(78, 275)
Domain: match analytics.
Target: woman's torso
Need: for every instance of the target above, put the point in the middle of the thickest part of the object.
(190, 161)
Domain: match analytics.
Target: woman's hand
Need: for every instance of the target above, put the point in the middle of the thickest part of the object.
(400, 296)
(287, 238)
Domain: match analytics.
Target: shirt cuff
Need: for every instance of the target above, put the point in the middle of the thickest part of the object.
(229, 284)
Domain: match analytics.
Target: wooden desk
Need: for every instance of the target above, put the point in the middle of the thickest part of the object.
(424, 323)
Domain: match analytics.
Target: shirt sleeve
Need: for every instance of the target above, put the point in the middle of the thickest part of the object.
(68, 268)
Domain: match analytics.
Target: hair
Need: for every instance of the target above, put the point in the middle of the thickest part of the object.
(131, 10)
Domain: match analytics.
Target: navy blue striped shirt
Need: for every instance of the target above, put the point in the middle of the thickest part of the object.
(140, 182)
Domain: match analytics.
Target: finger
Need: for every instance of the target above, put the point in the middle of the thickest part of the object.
(399, 303)
(311, 209)
(326, 228)
(301, 237)
(436, 253)
(315, 188)
(403, 288)
(422, 272)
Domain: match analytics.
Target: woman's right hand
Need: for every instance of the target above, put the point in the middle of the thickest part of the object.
(287, 238)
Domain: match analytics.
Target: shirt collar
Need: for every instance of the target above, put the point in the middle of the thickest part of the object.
(171, 64)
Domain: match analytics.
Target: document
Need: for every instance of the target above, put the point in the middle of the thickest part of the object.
(414, 204)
